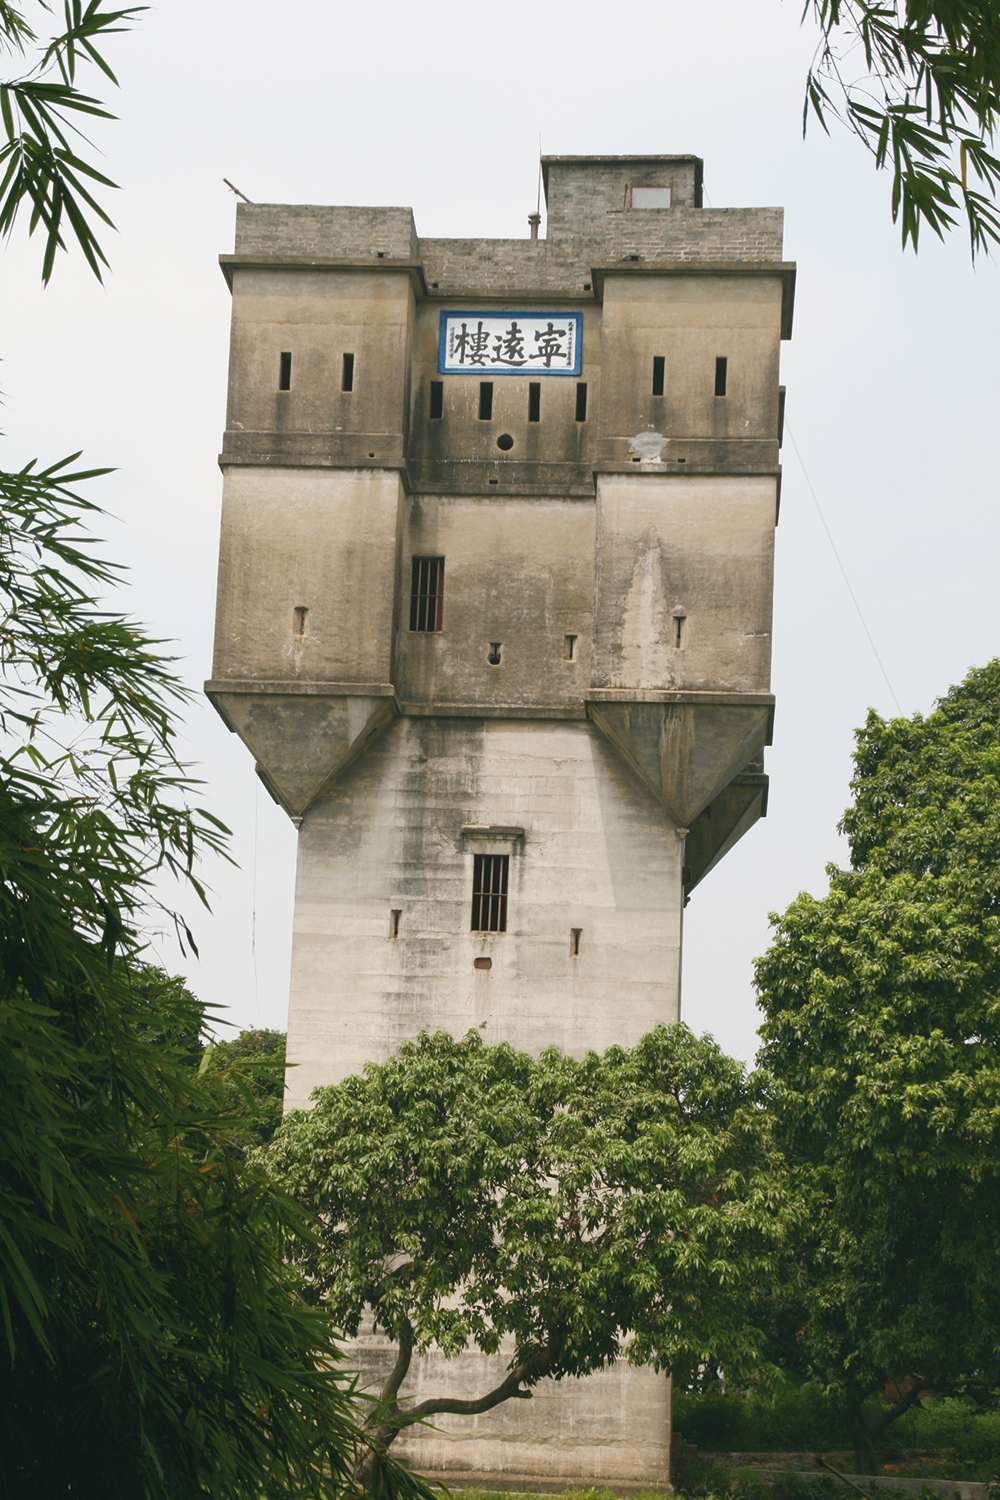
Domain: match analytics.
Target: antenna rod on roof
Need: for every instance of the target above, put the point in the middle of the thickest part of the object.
(236, 190)
(535, 219)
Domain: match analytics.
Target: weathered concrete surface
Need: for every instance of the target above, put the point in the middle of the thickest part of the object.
(596, 701)
(614, 1425)
(302, 741)
(686, 753)
(598, 853)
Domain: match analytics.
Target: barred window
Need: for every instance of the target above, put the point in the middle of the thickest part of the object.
(489, 892)
(427, 594)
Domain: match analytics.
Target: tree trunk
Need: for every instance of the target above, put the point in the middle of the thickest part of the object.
(388, 1421)
(865, 1460)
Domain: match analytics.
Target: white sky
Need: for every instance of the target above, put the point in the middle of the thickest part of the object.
(892, 374)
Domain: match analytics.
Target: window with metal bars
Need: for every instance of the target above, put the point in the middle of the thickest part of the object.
(489, 892)
(427, 594)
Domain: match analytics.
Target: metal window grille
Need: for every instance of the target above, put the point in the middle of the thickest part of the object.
(427, 595)
(489, 892)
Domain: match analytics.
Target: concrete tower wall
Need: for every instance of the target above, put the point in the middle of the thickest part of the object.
(591, 697)
(589, 850)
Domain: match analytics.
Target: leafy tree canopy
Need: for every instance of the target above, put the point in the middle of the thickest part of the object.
(918, 81)
(882, 1042)
(625, 1206)
(251, 1067)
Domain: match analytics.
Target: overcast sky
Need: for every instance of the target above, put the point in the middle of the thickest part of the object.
(892, 373)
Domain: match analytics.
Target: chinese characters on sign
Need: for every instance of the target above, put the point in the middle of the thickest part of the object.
(509, 343)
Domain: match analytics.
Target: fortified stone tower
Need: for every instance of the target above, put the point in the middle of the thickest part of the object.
(494, 619)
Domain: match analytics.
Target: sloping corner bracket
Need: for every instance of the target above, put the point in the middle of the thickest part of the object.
(684, 747)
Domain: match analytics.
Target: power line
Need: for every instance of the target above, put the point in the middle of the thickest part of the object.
(843, 570)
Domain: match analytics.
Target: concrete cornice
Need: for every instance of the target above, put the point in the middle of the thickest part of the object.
(378, 263)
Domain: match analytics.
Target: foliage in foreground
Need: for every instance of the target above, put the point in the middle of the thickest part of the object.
(918, 82)
(152, 1339)
(625, 1206)
(882, 1006)
(155, 1341)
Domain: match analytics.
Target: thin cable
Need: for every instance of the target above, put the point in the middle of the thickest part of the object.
(843, 570)
(253, 909)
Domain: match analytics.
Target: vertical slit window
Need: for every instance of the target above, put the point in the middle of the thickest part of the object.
(347, 373)
(285, 372)
(489, 892)
(581, 401)
(437, 400)
(485, 400)
(427, 594)
(659, 369)
(535, 401)
(720, 375)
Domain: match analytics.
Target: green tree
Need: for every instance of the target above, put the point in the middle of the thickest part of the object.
(251, 1067)
(882, 1006)
(156, 1343)
(919, 84)
(628, 1206)
(153, 1339)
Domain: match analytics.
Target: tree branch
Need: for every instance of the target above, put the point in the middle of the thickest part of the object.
(508, 1389)
(391, 1388)
(910, 1399)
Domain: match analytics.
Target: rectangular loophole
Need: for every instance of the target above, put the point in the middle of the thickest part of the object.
(437, 400)
(299, 619)
(720, 375)
(394, 917)
(569, 648)
(482, 963)
(347, 373)
(659, 371)
(427, 594)
(485, 400)
(285, 372)
(576, 933)
(581, 401)
(535, 401)
(490, 875)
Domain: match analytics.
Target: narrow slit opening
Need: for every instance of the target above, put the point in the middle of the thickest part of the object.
(569, 648)
(285, 372)
(720, 375)
(494, 656)
(437, 400)
(394, 917)
(347, 373)
(581, 401)
(299, 619)
(535, 401)
(576, 933)
(678, 626)
(659, 369)
(485, 400)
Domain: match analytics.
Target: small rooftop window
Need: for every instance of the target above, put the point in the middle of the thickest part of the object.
(650, 197)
